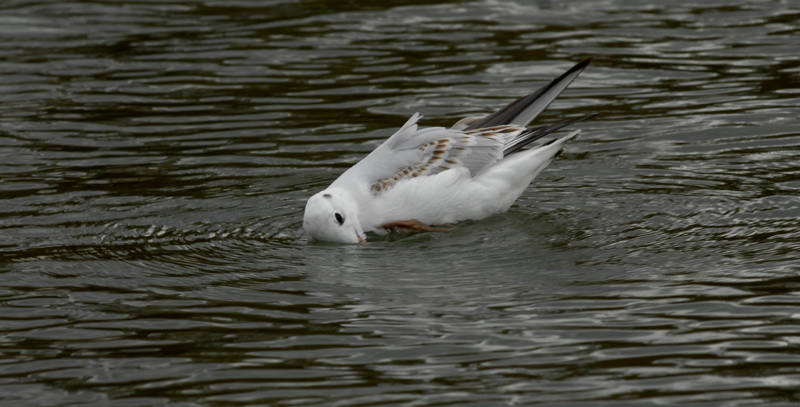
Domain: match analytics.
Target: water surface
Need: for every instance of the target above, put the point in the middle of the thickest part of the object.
(155, 158)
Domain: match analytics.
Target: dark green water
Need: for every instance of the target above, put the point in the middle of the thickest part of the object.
(155, 159)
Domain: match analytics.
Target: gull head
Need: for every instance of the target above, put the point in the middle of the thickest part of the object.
(333, 217)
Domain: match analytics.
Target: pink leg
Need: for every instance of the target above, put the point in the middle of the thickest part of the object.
(409, 226)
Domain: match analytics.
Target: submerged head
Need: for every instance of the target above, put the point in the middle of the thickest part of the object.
(333, 217)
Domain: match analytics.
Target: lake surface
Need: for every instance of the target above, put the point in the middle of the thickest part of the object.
(155, 159)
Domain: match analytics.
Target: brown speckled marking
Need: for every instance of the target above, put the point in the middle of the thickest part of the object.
(508, 129)
(447, 153)
(437, 156)
(492, 131)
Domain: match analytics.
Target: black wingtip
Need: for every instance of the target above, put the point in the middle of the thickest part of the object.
(536, 133)
(580, 66)
(518, 112)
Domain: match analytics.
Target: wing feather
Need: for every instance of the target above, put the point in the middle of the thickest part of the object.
(474, 143)
(523, 110)
(473, 150)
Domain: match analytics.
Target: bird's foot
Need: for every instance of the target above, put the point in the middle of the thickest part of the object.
(412, 225)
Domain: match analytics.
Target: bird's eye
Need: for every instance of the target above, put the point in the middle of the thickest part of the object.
(339, 218)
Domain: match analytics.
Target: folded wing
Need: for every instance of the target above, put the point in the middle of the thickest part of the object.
(474, 143)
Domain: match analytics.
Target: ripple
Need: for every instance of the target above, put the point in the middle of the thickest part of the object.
(153, 177)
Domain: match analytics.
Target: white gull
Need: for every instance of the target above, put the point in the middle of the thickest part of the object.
(438, 176)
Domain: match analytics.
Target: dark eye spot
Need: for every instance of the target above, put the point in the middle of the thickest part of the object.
(339, 218)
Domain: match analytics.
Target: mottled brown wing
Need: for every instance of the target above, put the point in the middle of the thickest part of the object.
(474, 150)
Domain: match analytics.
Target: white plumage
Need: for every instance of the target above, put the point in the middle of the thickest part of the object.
(439, 176)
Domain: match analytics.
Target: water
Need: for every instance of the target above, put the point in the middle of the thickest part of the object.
(155, 158)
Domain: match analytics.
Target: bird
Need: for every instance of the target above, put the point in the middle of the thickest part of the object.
(427, 179)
